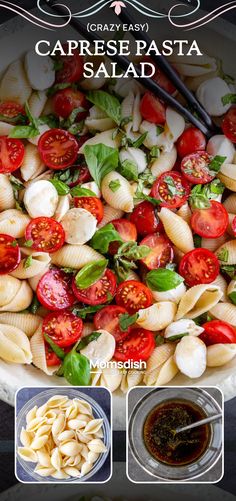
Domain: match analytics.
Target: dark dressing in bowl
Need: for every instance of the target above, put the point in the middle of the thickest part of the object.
(164, 444)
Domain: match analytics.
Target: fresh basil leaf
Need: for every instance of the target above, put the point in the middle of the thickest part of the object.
(28, 243)
(59, 352)
(127, 254)
(159, 340)
(197, 241)
(230, 270)
(129, 170)
(198, 201)
(163, 280)
(16, 182)
(90, 273)
(33, 121)
(125, 121)
(86, 340)
(232, 297)
(126, 320)
(178, 336)
(56, 87)
(159, 129)
(106, 102)
(14, 243)
(223, 255)
(23, 132)
(155, 152)
(76, 369)
(78, 191)
(146, 179)
(68, 270)
(28, 262)
(101, 160)
(88, 310)
(216, 163)
(19, 119)
(35, 305)
(138, 142)
(51, 120)
(76, 128)
(228, 99)
(103, 237)
(173, 190)
(171, 266)
(62, 188)
(114, 185)
(212, 190)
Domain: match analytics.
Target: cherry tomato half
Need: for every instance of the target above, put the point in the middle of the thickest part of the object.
(217, 331)
(9, 254)
(98, 293)
(64, 328)
(52, 360)
(195, 168)
(72, 67)
(171, 189)
(11, 154)
(199, 266)
(58, 148)
(145, 217)
(133, 296)
(108, 319)
(161, 252)
(54, 290)
(152, 109)
(137, 346)
(190, 141)
(10, 109)
(66, 100)
(229, 125)
(211, 222)
(46, 233)
(127, 232)
(91, 204)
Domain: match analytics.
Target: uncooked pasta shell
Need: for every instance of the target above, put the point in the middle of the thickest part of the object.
(97, 445)
(177, 230)
(220, 354)
(27, 454)
(198, 300)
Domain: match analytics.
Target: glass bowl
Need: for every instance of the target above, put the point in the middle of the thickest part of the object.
(39, 400)
(161, 470)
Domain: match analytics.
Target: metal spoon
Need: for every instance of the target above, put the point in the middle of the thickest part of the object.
(198, 423)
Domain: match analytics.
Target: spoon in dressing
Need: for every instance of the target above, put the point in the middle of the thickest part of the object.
(198, 423)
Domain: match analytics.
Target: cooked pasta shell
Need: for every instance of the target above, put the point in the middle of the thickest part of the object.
(177, 230)
(194, 82)
(122, 197)
(99, 124)
(38, 265)
(70, 448)
(97, 445)
(222, 284)
(14, 345)
(9, 287)
(21, 299)
(225, 312)
(185, 213)
(110, 213)
(163, 374)
(38, 351)
(13, 222)
(231, 289)
(33, 281)
(220, 354)
(14, 84)
(130, 379)
(190, 356)
(101, 349)
(37, 102)
(26, 322)
(132, 276)
(34, 140)
(227, 176)
(157, 316)
(192, 66)
(226, 253)
(213, 244)
(110, 378)
(32, 164)
(164, 162)
(107, 138)
(75, 256)
(159, 356)
(198, 300)
(7, 200)
(230, 203)
(230, 229)
(27, 454)
(5, 129)
(175, 124)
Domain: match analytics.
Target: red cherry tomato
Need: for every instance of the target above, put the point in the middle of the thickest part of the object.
(229, 125)
(161, 252)
(9, 254)
(11, 154)
(160, 77)
(137, 346)
(133, 296)
(72, 67)
(211, 222)
(190, 141)
(171, 189)
(58, 148)
(66, 100)
(52, 359)
(77, 174)
(233, 226)
(145, 217)
(195, 168)
(91, 204)
(9, 110)
(152, 109)
(199, 266)
(98, 293)
(108, 319)
(217, 331)
(54, 290)
(46, 233)
(63, 328)
(127, 232)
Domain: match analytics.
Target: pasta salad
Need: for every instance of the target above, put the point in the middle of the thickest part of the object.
(117, 224)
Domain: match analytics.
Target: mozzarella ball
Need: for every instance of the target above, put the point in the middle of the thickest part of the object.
(221, 145)
(79, 225)
(41, 199)
(210, 94)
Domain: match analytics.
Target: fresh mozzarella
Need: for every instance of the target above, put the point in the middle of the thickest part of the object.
(101, 349)
(210, 94)
(173, 295)
(191, 356)
(79, 225)
(93, 187)
(41, 199)
(63, 207)
(40, 70)
(135, 156)
(221, 145)
(175, 124)
(183, 326)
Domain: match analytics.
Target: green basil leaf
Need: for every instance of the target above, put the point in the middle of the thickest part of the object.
(106, 102)
(223, 255)
(90, 273)
(59, 352)
(216, 163)
(28, 262)
(86, 340)
(33, 121)
(163, 280)
(103, 237)
(14, 243)
(62, 188)
(132, 251)
(173, 190)
(171, 266)
(35, 305)
(114, 185)
(138, 142)
(76, 128)
(198, 201)
(76, 369)
(28, 243)
(126, 320)
(212, 190)
(159, 340)
(51, 120)
(155, 152)
(232, 297)
(159, 129)
(23, 132)
(88, 310)
(230, 270)
(57, 64)
(56, 87)
(178, 336)
(78, 191)
(68, 270)
(101, 160)
(126, 120)
(16, 182)
(129, 170)
(197, 241)
(228, 99)
(22, 119)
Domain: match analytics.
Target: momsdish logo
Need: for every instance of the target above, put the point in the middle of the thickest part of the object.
(175, 14)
